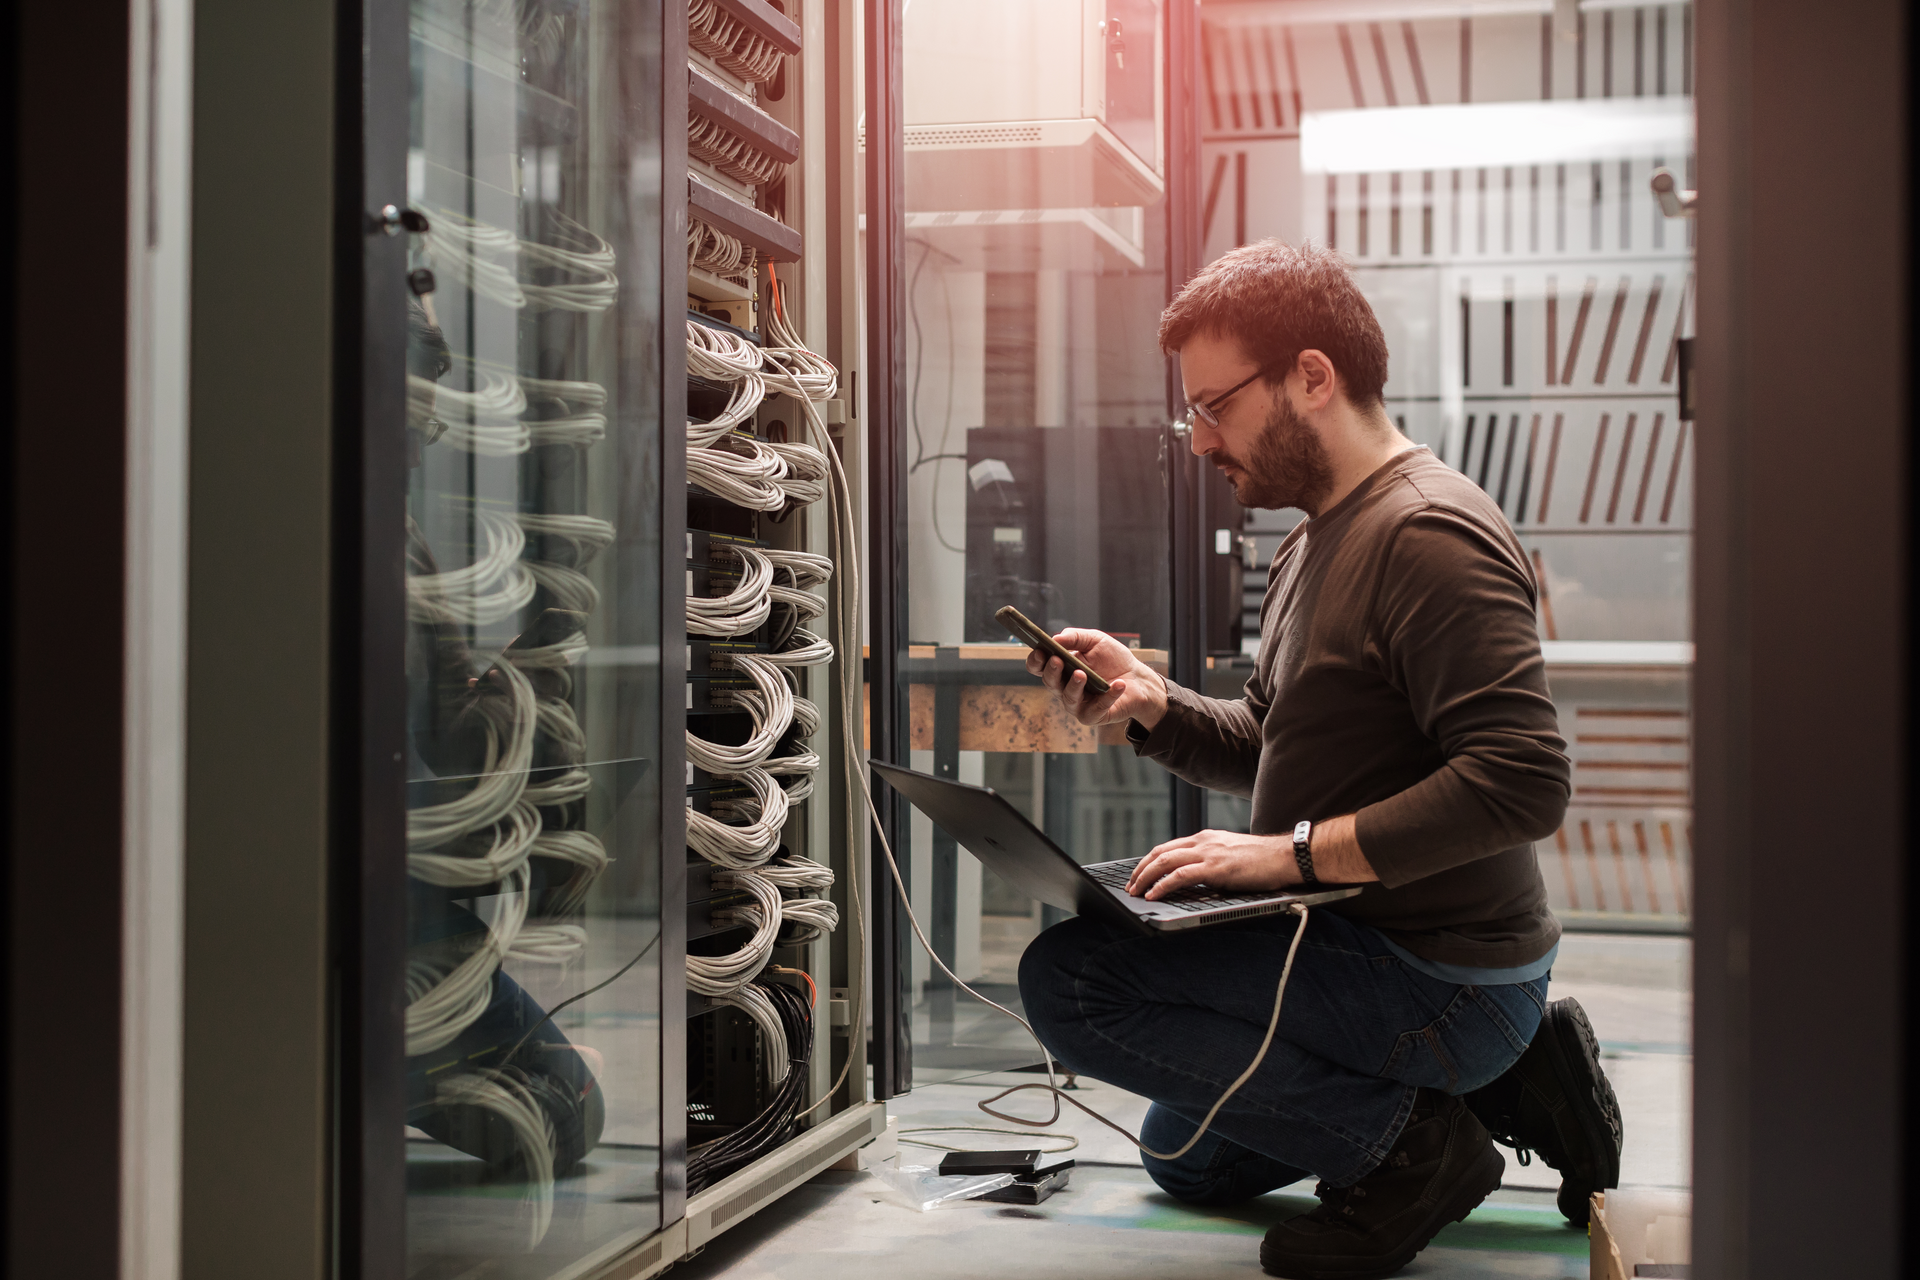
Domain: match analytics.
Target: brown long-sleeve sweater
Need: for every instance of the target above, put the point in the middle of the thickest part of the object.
(1400, 679)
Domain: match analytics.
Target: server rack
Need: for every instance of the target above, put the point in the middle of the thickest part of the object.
(557, 792)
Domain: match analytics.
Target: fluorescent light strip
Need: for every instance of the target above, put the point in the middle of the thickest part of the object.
(1399, 139)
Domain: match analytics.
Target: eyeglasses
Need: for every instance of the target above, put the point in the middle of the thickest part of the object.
(1209, 412)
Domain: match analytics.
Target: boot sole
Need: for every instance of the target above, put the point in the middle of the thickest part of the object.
(1574, 1052)
(1482, 1180)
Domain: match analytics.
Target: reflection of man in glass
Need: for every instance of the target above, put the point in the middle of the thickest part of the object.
(1397, 733)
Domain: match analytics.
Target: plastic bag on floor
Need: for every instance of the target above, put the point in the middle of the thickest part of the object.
(927, 1188)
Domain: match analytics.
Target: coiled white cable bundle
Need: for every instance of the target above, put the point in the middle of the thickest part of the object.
(500, 1094)
(808, 919)
(744, 472)
(509, 725)
(806, 716)
(720, 356)
(745, 845)
(806, 479)
(804, 650)
(443, 1003)
(771, 703)
(804, 765)
(711, 249)
(495, 585)
(746, 396)
(809, 569)
(723, 975)
(734, 47)
(740, 610)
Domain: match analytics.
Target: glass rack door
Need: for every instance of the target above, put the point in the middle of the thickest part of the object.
(1036, 453)
(533, 587)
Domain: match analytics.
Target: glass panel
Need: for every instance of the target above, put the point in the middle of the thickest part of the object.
(1489, 180)
(533, 661)
(1036, 407)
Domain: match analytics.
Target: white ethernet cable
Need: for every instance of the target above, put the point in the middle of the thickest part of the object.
(771, 703)
(747, 845)
(722, 975)
(747, 472)
(808, 650)
(740, 610)
(806, 480)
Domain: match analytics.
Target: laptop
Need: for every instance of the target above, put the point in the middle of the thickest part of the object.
(991, 829)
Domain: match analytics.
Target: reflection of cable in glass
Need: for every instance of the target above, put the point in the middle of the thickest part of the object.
(485, 259)
(601, 985)
(502, 1094)
(444, 999)
(921, 457)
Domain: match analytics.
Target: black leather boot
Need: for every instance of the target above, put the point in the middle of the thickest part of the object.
(1440, 1169)
(1556, 1101)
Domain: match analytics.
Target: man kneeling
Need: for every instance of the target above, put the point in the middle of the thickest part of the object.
(1396, 733)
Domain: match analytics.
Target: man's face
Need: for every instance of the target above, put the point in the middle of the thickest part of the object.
(1270, 455)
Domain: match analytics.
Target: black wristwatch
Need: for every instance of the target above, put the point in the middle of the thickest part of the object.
(1303, 851)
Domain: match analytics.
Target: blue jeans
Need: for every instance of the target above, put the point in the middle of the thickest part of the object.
(1176, 1018)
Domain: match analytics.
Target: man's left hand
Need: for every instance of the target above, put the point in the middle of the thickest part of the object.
(1236, 860)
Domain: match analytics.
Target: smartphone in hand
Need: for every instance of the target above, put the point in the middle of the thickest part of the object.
(1036, 637)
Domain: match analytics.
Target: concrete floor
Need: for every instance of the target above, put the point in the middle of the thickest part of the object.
(1113, 1223)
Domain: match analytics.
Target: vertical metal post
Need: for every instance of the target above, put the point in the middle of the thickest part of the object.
(672, 37)
(945, 889)
(886, 518)
(1188, 548)
(369, 638)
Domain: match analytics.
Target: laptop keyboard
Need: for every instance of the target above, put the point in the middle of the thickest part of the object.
(1198, 898)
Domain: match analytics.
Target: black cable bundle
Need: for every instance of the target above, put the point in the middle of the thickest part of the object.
(713, 1161)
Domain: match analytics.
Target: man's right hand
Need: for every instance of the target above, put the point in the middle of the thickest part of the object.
(1138, 692)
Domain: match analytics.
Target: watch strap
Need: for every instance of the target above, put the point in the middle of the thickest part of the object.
(1303, 851)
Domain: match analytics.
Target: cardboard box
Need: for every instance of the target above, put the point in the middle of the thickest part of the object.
(1635, 1231)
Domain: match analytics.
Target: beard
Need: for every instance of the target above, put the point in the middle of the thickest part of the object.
(1287, 465)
